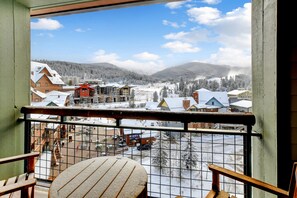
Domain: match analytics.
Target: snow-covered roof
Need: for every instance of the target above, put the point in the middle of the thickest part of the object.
(202, 89)
(236, 92)
(242, 103)
(67, 87)
(53, 76)
(40, 104)
(38, 93)
(57, 97)
(205, 106)
(176, 104)
(151, 105)
(205, 96)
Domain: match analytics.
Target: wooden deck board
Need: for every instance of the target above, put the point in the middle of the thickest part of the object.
(117, 185)
(101, 177)
(9, 181)
(88, 178)
(106, 180)
(136, 183)
(16, 194)
(66, 176)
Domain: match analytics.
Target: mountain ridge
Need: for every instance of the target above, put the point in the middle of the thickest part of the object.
(113, 73)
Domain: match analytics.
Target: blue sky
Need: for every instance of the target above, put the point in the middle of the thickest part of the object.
(147, 39)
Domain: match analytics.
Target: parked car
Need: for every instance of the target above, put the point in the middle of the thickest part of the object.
(122, 144)
(144, 147)
(115, 137)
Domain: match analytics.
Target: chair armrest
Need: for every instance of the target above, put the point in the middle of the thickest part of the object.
(18, 157)
(17, 186)
(248, 180)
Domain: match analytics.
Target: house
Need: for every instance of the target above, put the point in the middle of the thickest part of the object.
(54, 98)
(85, 92)
(176, 104)
(58, 97)
(44, 79)
(241, 106)
(274, 76)
(37, 96)
(113, 92)
(236, 95)
(211, 98)
(204, 108)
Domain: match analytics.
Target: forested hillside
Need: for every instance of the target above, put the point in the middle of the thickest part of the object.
(104, 71)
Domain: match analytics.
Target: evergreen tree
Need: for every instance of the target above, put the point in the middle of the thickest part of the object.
(132, 99)
(155, 97)
(160, 151)
(189, 154)
(164, 92)
(181, 84)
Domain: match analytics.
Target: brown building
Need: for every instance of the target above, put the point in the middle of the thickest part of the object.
(44, 79)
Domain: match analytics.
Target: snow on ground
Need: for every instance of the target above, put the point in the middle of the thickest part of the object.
(42, 166)
(173, 181)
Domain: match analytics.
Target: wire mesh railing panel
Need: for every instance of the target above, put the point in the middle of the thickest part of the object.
(174, 150)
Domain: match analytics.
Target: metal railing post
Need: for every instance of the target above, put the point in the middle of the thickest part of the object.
(248, 158)
(27, 138)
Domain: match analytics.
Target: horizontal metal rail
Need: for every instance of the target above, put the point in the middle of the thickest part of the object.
(186, 117)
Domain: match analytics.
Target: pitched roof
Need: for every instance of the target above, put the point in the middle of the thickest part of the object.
(236, 92)
(151, 105)
(205, 106)
(202, 89)
(242, 103)
(36, 74)
(56, 97)
(38, 93)
(176, 104)
(205, 96)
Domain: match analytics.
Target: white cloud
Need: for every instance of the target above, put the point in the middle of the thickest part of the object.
(193, 36)
(45, 34)
(231, 56)
(46, 24)
(82, 30)
(101, 56)
(173, 24)
(175, 5)
(181, 47)
(147, 56)
(232, 30)
(204, 15)
(212, 2)
(79, 30)
(142, 67)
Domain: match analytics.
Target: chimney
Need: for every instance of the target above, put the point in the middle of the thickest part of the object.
(196, 96)
(186, 103)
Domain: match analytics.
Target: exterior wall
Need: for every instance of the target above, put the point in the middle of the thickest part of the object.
(264, 65)
(45, 85)
(214, 102)
(35, 97)
(14, 80)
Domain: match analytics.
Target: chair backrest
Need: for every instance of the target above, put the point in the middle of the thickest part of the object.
(293, 183)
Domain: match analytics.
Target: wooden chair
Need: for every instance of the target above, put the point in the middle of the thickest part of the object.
(217, 171)
(22, 185)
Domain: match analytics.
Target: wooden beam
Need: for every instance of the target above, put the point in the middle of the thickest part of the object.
(88, 6)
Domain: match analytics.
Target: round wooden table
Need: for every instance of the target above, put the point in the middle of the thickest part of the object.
(109, 176)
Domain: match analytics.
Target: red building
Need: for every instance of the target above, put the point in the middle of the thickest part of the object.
(84, 91)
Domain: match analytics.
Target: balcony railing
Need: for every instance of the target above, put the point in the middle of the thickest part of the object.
(173, 147)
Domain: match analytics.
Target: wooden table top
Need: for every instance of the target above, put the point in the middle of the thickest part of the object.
(109, 176)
